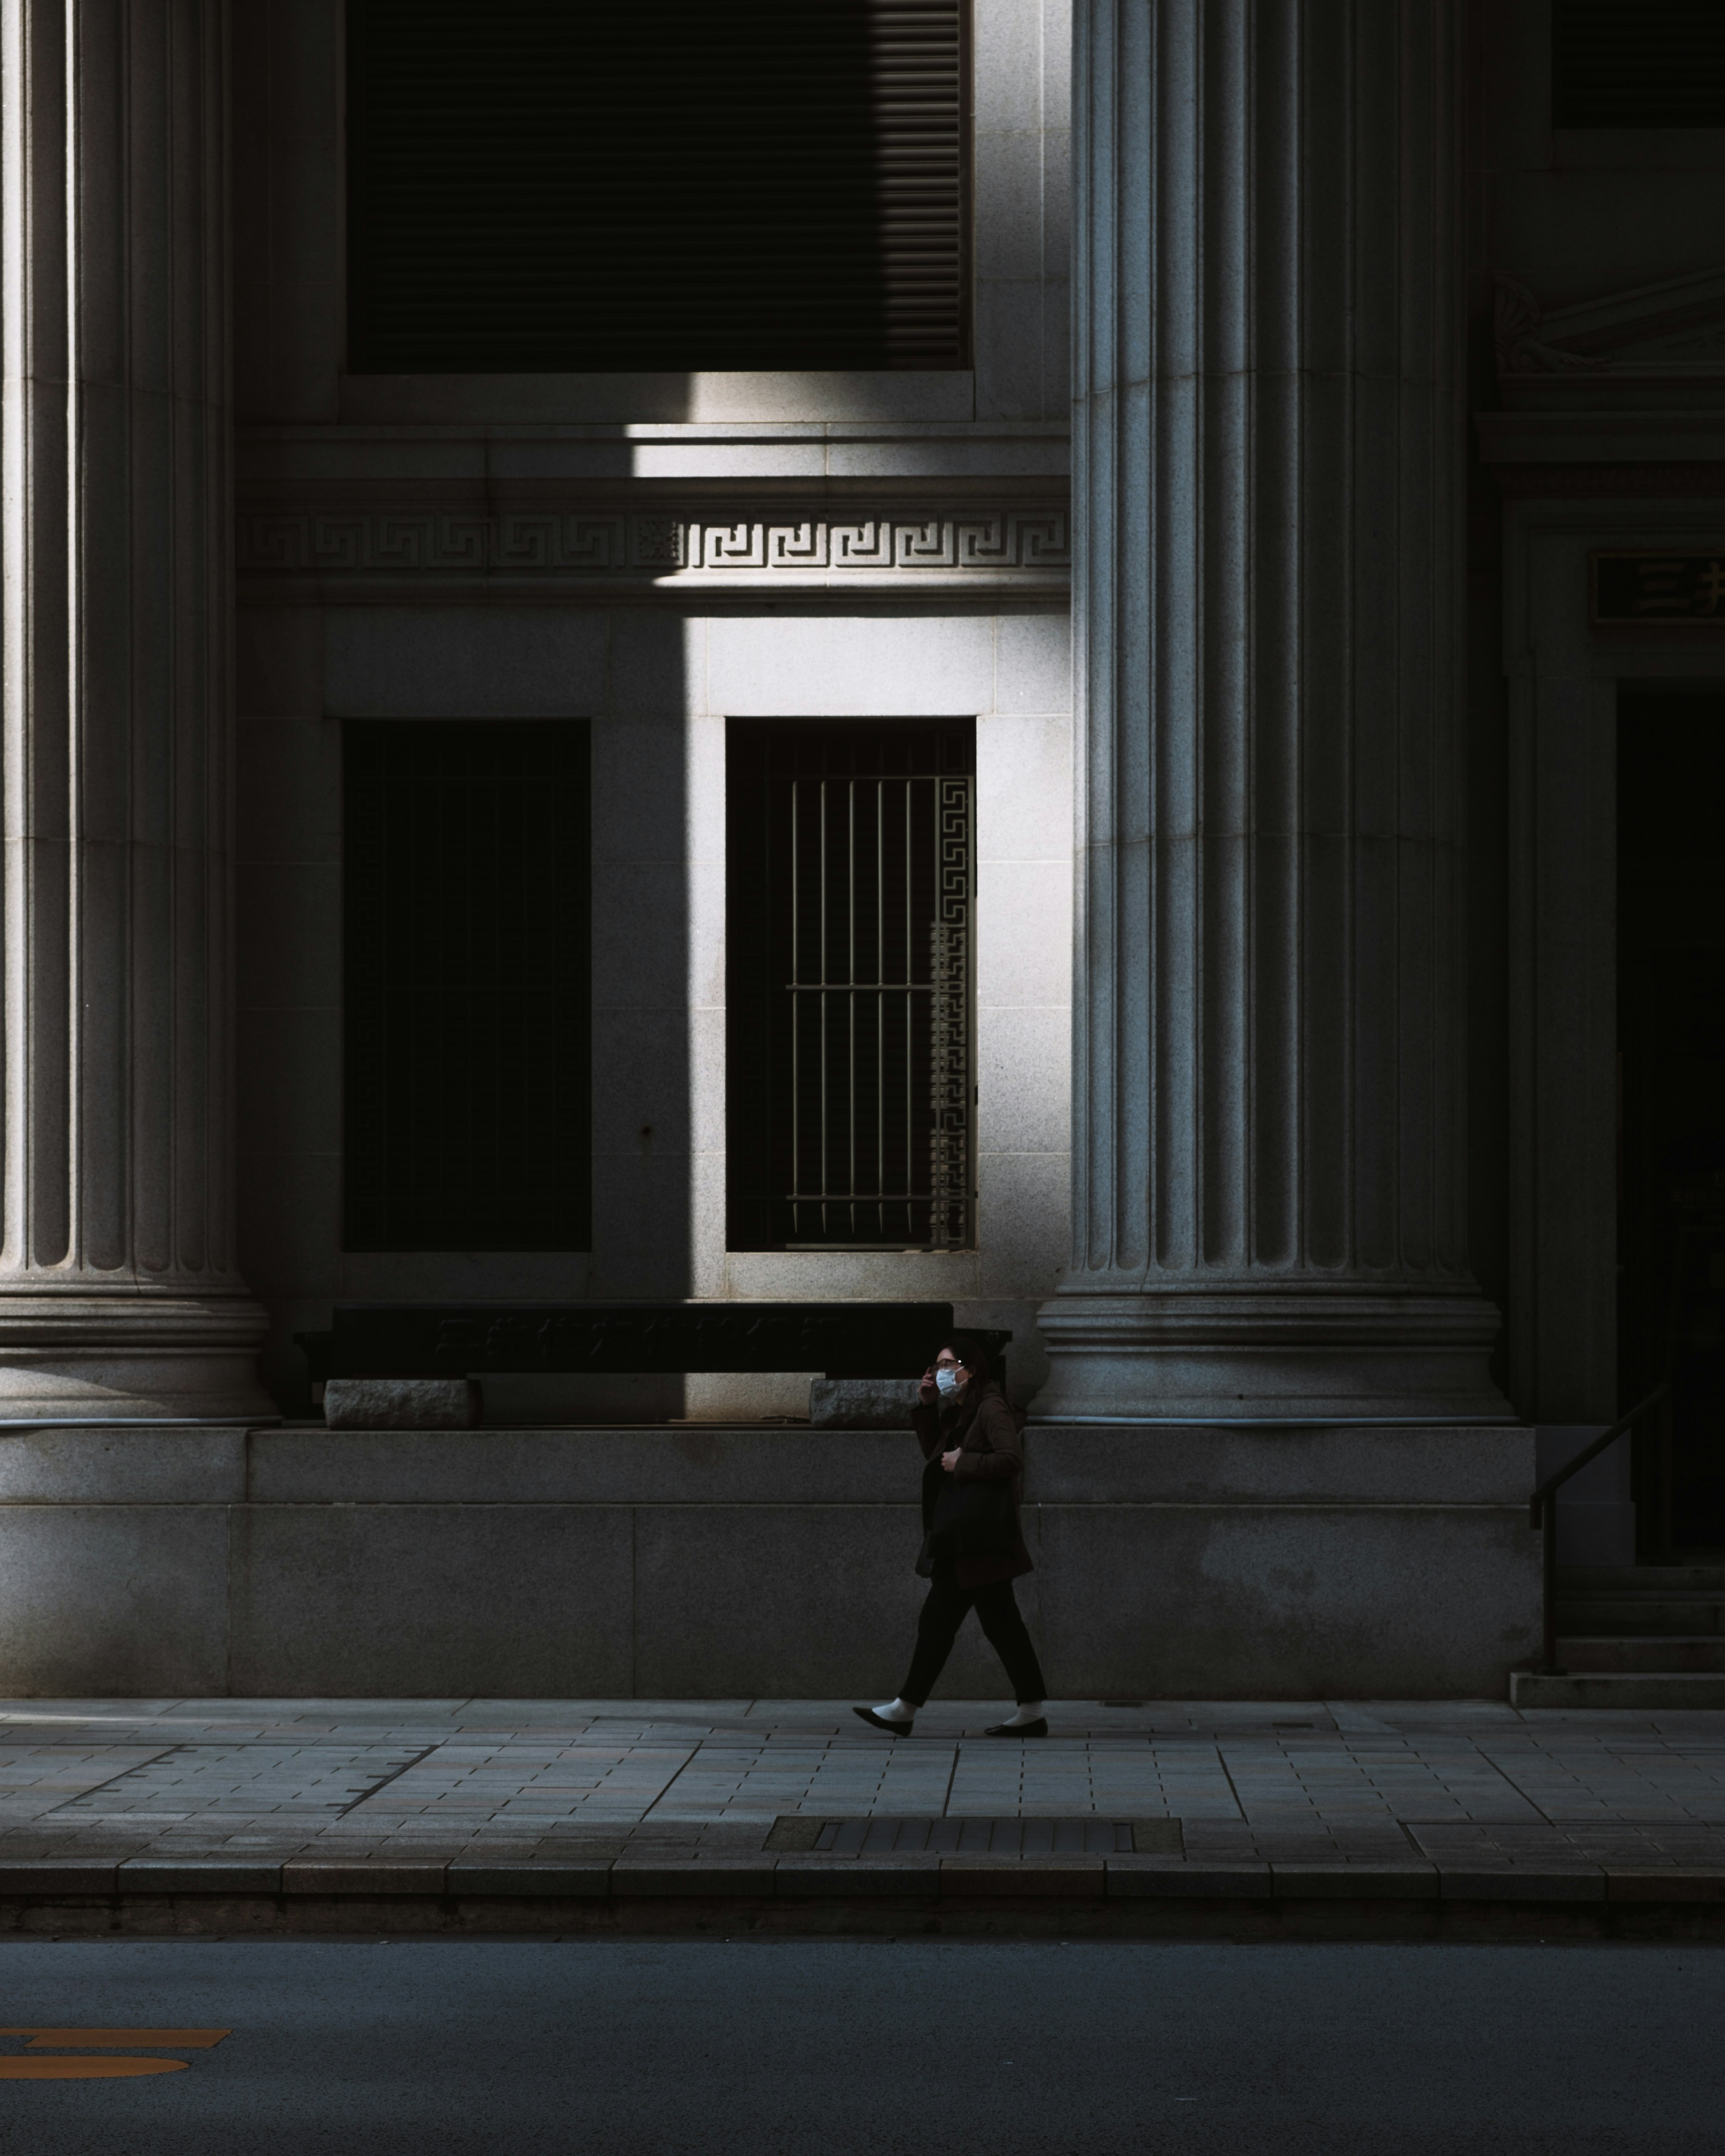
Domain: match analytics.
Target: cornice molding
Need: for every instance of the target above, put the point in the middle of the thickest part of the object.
(349, 552)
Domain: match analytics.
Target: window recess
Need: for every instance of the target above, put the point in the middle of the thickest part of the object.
(467, 1050)
(851, 1074)
(535, 186)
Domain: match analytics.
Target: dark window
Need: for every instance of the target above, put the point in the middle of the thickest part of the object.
(538, 186)
(467, 1052)
(1638, 64)
(851, 1082)
(1671, 1037)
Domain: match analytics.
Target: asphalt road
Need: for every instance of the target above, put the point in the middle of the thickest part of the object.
(443, 2047)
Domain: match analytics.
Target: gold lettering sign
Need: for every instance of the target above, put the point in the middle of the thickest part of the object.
(1659, 591)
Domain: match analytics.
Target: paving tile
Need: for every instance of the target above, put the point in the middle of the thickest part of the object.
(1478, 1785)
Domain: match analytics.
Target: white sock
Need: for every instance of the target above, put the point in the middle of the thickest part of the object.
(896, 1710)
(1028, 1709)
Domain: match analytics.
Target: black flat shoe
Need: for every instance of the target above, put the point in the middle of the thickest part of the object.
(879, 1721)
(1014, 1729)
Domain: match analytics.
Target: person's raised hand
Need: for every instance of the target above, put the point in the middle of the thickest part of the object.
(929, 1391)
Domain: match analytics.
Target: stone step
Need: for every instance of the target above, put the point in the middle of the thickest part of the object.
(1648, 1654)
(1632, 1689)
(1663, 1578)
(1690, 1616)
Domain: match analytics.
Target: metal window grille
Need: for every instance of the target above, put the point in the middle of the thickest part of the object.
(1638, 64)
(535, 185)
(467, 1056)
(851, 1072)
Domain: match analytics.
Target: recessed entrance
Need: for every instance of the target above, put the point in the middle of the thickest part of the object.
(1671, 1034)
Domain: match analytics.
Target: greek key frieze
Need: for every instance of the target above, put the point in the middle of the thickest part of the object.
(552, 543)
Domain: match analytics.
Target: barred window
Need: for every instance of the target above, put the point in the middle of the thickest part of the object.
(467, 1038)
(534, 186)
(851, 1081)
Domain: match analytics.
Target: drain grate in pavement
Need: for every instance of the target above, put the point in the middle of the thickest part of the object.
(880, 1836)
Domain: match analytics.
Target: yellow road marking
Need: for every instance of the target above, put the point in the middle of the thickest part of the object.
(24, 2068)
(194, 2040)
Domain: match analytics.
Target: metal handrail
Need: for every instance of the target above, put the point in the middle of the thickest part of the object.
(1546, 1494)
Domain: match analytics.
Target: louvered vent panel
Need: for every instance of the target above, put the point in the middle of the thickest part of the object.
(467, 1035)
(536, 185)
(1638, 63)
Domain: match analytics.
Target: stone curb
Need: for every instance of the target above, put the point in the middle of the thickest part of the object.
(1514, 1883)
(806, 1876)
(1213, 1881)
(705, 1875)
(1350, 1881)
(837, 1878)
(590, 1881)
(312, 1878)
(1665, 1885)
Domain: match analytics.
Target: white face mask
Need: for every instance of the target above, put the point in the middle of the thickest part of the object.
(947, 1378)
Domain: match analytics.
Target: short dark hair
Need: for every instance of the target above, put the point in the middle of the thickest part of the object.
(971, 1353)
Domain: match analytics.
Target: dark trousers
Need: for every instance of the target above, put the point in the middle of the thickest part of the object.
(1002, 1627)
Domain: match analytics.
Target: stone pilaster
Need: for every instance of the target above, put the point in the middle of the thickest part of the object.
(1269, 1082)
(118, 1293)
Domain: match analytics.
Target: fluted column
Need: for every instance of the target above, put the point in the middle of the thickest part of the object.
(1269, 1139)
(118, 1295)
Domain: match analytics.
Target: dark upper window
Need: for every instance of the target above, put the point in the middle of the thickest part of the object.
(467, 1055)
(538, 185)
(1638, 63)
(851, 1079)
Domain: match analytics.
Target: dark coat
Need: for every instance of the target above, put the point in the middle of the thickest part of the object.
(986, 1432)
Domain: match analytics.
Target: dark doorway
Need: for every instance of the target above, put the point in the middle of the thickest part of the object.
(1670, 1029)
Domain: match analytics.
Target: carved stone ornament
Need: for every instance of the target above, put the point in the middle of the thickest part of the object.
(1656, 338)
(1017, 543)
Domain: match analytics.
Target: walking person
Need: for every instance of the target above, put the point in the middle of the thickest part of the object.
(973, 1546)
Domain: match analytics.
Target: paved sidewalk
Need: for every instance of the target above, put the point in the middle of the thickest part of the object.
(1468, 1783)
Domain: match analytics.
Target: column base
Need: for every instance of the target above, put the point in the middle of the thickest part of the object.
(1269, 1355)
(118, 1357)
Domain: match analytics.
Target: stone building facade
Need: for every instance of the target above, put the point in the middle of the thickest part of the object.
(1319, 482)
